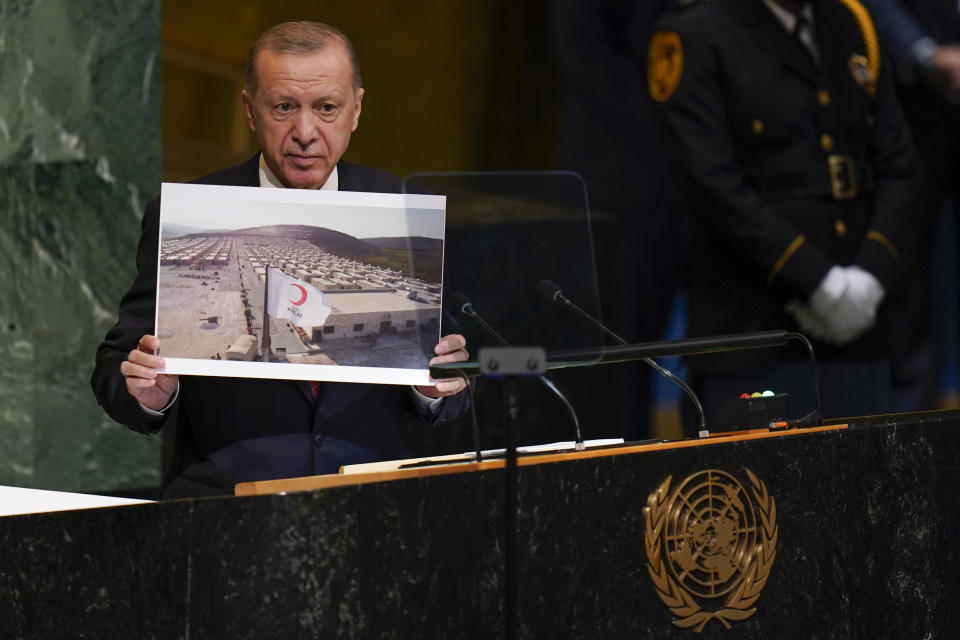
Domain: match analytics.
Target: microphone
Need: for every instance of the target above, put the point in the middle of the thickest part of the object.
(462, 303)
(464, 306)
(551, 291)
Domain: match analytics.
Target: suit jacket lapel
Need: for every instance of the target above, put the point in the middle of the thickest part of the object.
(248, 173)
(350, 180)
(769, 34)
(304, 388)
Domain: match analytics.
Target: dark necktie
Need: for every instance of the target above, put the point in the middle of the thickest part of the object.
(803, 34)
(315, 388)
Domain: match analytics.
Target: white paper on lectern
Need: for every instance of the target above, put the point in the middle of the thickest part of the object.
(20, 501)
(216, 243)
(470, 456)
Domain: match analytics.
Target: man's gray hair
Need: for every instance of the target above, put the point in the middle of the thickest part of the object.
(299, 38)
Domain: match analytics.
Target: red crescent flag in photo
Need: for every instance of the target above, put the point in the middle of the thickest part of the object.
(302, 294)
(295, 300)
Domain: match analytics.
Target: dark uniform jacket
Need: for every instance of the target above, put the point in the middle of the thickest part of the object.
(231, 430)
(788, 166)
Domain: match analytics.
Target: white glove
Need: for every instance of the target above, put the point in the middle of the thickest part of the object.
(845, 303)
(810, 325)
(864, 290)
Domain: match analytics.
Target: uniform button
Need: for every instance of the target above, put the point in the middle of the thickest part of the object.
(826, 142)
(869, 119)
(840, 227)
(823, 97)
(757, 127)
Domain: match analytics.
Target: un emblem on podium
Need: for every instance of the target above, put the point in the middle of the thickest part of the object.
(710, 545)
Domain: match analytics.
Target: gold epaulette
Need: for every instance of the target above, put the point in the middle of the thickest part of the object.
(870, 43)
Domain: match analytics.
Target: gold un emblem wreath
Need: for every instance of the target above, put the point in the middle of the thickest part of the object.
(710, 538)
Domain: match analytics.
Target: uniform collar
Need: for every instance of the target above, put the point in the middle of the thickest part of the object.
(788, 19)
(768, 32)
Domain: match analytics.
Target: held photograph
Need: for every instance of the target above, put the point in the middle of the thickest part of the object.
(298, 284)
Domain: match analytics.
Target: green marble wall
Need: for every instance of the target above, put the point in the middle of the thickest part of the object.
(79, 156)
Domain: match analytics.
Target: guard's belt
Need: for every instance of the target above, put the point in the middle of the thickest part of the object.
(840, 177)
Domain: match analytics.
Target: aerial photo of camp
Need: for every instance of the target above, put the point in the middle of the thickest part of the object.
(335, 299)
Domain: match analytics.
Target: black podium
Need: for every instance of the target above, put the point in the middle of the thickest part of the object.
(847, 531)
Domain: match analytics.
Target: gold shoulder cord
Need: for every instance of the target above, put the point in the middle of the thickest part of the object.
(870, 42)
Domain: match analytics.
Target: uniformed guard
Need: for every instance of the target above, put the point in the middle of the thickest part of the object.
(794, 158)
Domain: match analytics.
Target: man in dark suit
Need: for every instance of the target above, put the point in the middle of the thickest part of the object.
(794, 158)
(302, 96)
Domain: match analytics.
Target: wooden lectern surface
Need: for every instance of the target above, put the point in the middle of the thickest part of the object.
(401, 472)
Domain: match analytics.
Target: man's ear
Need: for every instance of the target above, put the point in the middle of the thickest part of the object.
(356, 109)
(248, 109)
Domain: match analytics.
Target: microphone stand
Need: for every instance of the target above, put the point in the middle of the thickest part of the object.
(511, 559)
(466, 308)
(573, 358)
(509, 363)
(558, 296)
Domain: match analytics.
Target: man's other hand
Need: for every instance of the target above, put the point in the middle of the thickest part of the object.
(946, 62)
(149, 387)
(451, 348)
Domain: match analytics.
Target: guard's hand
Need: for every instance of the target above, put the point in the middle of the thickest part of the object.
(864, 290)
(451, 348)
(808, 322)
(846, 303)
(149, 387)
